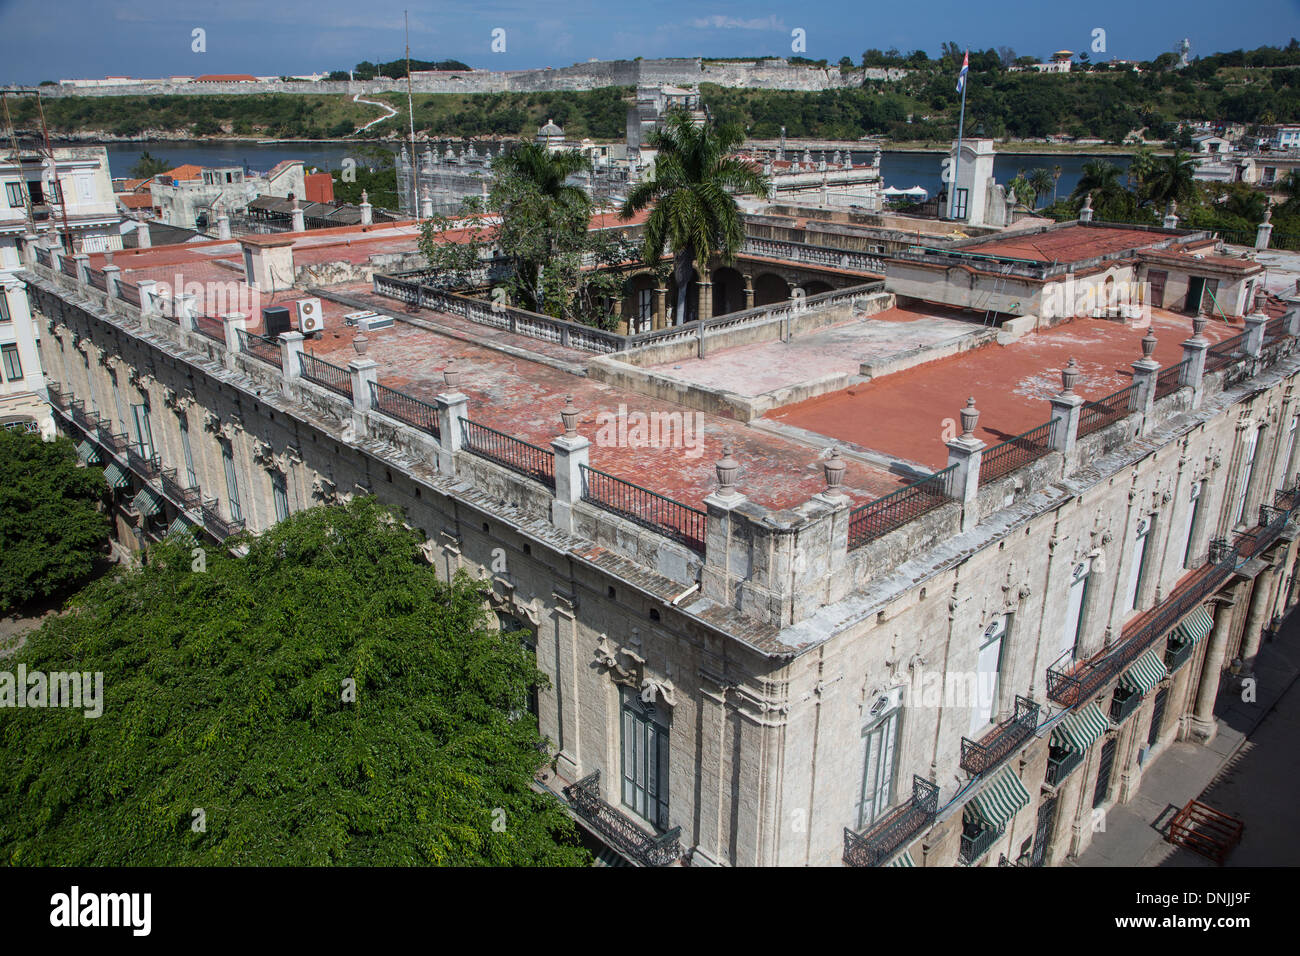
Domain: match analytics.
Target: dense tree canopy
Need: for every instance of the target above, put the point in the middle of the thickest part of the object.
(51, 533)
(324, 700)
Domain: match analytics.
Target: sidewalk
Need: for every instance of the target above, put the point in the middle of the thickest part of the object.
(1250, 770)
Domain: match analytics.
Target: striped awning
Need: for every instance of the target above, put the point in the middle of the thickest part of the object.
(178, 526)
(115, 477)
(146, 502)
(1194, 627)
(88, 453)
(903, 859)
(1080, 730)
(1144, 673)
(1001, 799)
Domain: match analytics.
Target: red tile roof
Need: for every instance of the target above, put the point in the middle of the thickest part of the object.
(184, 173)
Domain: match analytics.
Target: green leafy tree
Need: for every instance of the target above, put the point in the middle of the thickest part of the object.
(149, 166)
(51, 532)
(694, 212)
(324, 700)
(1023, 191)
(1140, 166)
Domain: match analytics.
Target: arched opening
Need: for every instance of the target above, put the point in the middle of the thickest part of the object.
(728, 291)
(816, 287)
(639, 302)
(770, 289)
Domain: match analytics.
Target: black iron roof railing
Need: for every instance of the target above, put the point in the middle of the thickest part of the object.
(260, 347)
(405, 408)
(513, 453)
(1006, 457)
(624, 835)
(647, 508)
(1168, 380)
(1094, 416)
(875, 518)
(989, 751)
(876, 844)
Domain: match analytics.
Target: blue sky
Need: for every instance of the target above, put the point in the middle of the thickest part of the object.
(54, 39)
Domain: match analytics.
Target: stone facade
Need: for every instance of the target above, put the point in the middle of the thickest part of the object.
(774, 659)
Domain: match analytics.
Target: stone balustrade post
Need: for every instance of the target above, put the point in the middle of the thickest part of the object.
(1292, 315)
(290, 364)
(1065, 411)
(232, 323)
(363, 373)
(1254, 343)
(965, 453)
(1145, 371)
(1194, 349)
(572, 453)
(453, 405)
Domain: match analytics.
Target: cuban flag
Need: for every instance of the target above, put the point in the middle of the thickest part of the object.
(961, 77)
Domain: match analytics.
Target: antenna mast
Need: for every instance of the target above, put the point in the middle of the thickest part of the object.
(18, 161)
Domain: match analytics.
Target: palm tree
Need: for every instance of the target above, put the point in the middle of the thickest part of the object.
(1099, 177)
(1171, 179)
(691, 191)
(1056, 178)
(1139, 167)
(1042, 182)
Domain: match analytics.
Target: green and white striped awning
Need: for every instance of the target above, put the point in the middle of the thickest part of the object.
(115, 477)
(1144, 673)
(146, 502)
(1194, 627)
(178, 526)
(1001, 799)
(1080, 730)
(903, 859)
(88, 453)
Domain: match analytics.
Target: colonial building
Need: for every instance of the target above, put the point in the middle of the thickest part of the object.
(801, 598)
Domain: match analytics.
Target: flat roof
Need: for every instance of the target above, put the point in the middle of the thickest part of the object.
(1075, 242)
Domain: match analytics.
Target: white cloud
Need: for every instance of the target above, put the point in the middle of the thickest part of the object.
(718, 22)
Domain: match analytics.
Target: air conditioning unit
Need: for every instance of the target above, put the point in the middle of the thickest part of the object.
(368, 321)
(310, 317)
(352, 318)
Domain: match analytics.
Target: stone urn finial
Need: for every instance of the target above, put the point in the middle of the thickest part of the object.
(1069, 376)
(1149, 343)
(834, 469)
(970, 417)
(360, 342)
(108, 257)
(1261, 296)
(569, 416)
(1087, 201)
(726, 468)
(451, 375)
(1198, 324)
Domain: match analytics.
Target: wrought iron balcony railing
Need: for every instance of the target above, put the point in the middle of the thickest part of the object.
(58, 397)
(1178, 653)
(621, 832)
(975, 843)
(117, 444)
(1059, 765)
(1123, 704)
(217, 526)
(882, 839)
(148, 467)
(981, 756)
(187, 498)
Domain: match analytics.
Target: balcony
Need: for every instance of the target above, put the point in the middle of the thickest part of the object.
(87, 421)
(58, 397)
(882, 839)
(1178, 653)
(975, 842)
(1059, 765)
(1123, 704)
(1001, 742)
(622, 834)
(217, 526)
(186, 498)
(148, 467)
(117, 444)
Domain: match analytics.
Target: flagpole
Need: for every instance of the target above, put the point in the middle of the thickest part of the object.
(961, 128)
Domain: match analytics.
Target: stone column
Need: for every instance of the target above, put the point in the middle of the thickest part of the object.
(299, 222)
(223, 224)
(367, 210)
(29, 242)
(704, 299)
(1145, 371)
(83, 263)
(1254, 344)
(143, 240)
(453, 405)
(661, 296)
(426, 204)
(148, 301)
(571, 456)
(1194, 349)
(233, 323)
(1256, 618)
(363, 372)
(112, 276)
(1203, 727)
(290, 366)
(1085, 214)
(1265, 230)
(749, 291)
(1065, 410)
(966, 452)
(721, 505)
(1292, 315)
